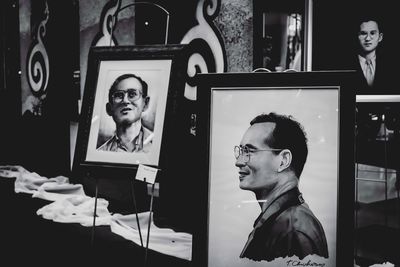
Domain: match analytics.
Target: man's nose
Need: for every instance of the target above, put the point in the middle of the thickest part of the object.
(125, 98)
(240, 161)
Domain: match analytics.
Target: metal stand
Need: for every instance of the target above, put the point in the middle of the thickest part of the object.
(136, 212)
(149, 224)
(113, 23)
(94, 214)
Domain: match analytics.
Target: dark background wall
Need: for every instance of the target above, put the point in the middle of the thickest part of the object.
(10, 93)
(335, 31)
(40, 142)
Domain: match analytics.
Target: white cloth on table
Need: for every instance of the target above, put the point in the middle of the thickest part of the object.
(71, 205)
(77, 209)
(56, 191)
(163, 240)
(12, 171)
(39, 186)
(28, 182)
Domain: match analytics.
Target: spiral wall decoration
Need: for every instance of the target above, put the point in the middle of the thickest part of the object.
(38, 70)
(209, 52)
(107, 24)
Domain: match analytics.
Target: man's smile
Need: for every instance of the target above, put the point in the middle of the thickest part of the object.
(125, 110)
(242, 174)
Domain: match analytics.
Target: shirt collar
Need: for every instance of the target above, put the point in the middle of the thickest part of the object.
(363, 59)
(136, 140)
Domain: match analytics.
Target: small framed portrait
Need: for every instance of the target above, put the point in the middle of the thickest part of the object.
(128, 105)
(278, 169)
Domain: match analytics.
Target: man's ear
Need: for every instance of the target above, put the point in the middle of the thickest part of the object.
(108, 109)
(146, 102)
(286, 160)
(380, 38)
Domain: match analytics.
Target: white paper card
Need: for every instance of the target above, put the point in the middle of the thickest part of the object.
(146, 174)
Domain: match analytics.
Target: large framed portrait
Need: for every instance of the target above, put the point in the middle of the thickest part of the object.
(128, 105)
(253, 218)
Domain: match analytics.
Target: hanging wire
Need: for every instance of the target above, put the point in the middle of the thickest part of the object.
(114, 17)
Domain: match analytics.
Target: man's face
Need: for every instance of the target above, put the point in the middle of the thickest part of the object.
(369, 36)
(124, 108)
(260, 172)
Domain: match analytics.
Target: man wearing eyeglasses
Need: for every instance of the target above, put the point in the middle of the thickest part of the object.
(371, 63)
(127, 100)
(270, 159)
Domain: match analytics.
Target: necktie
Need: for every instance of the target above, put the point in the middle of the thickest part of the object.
(369, 72)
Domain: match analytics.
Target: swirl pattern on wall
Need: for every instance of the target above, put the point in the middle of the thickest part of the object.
(107, 24)
(207, 42)
(38, 70)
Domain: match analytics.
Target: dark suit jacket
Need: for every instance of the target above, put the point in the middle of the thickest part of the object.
(286, 227)
(381, 81)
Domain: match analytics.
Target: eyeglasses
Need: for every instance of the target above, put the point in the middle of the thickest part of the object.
(365, 34)
(118, 96)
(245, 152)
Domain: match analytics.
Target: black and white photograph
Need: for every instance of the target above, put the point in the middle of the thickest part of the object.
(271, 237)
(130, 135)
(129, 106)
(129, 111)
(274, 189)
(200, 133)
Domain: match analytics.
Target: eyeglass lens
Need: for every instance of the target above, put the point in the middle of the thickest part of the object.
(244, 151)
(133, 95)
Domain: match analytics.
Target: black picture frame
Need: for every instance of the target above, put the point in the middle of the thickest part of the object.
(323, 102)
(376, 173)
(163, 68)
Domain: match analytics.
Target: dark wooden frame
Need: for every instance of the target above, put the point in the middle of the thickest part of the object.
(177, 54)
(338, 80)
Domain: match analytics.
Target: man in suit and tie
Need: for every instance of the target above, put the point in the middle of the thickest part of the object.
(370, 64)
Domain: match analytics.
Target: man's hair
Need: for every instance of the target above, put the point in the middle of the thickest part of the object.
(369, 16)
(287, 134)
(127, 76)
